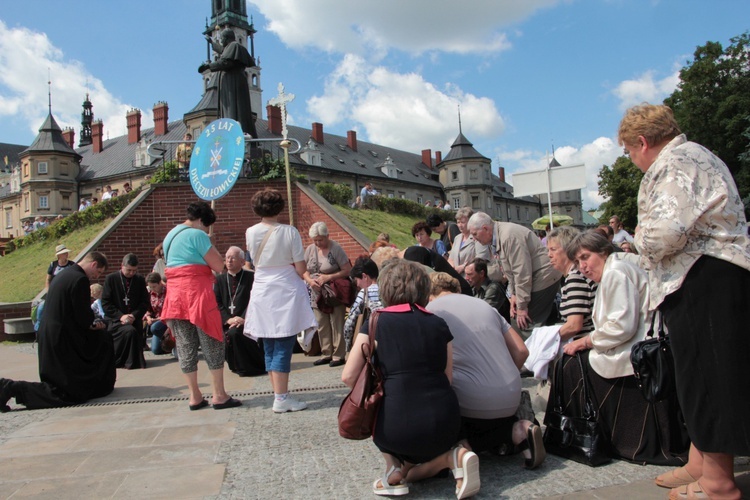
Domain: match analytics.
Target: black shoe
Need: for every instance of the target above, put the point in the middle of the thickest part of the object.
(322, 361)
(198, 406)
(337, 362)
(229, 403)
(5, 394)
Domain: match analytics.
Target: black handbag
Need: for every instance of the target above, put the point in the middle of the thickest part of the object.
(653, 364)
(577, 437)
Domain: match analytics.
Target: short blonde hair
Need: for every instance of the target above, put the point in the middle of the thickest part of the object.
(444, 282)
(318, 229)
(382, 254)
(655, 123)
(404, 282)
(464, 212)
(96, 291)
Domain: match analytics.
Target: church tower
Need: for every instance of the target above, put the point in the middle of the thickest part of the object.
(466, 176)
(87, 118)
(49, 167)
(233, 14)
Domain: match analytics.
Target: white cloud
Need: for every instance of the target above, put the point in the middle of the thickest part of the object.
(28, 60)
(401, 109)
(415, 26)
(646, 88)
(594, 155)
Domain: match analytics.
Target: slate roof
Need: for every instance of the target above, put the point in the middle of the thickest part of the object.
(50, 138)
(365, 162)
(462, 149)
(118, 157)
(11, 151)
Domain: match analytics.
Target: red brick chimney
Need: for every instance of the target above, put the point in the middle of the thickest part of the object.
(501, 174)
(161, 118)
(438, 157)
(427, 157)
(351, 139)
(97, 135)
(134, 125)
(317, 132)
(70, 136)
(274, 119)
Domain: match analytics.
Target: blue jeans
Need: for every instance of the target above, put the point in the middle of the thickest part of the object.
(279, 353)
(157, 328)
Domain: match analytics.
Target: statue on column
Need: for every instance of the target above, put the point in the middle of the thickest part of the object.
(234, 92)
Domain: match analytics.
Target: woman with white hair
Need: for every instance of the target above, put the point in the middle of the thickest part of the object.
(326, 262)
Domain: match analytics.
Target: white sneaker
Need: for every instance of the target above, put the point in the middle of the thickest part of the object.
(289, 404)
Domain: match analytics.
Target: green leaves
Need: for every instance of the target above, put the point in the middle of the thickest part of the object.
(619, 183)
(712, 104)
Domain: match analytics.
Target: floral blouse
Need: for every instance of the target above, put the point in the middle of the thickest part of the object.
(688, 206)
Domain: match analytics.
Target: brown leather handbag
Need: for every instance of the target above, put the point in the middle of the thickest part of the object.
(359, 409)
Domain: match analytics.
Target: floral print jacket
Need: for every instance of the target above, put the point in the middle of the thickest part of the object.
(688, 206)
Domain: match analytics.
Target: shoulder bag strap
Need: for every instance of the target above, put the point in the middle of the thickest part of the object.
(557, 381)
(589, 410)
(166, 250)
(263, 245)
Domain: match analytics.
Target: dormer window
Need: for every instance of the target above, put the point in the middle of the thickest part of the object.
(389, 168)
(341, 147)
(373, 153)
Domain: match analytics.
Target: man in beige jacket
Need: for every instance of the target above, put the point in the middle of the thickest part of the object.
(532, 281)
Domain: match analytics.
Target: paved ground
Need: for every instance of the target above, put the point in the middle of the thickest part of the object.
(141, 441)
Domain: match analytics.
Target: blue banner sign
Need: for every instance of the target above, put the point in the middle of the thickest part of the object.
(217, 159)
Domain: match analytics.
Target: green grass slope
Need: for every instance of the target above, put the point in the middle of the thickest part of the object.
(24, 270)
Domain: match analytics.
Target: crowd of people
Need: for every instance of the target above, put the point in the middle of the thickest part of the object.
(457, 319)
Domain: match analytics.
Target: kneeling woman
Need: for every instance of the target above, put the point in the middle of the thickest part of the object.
(638, 431)
(419, 421)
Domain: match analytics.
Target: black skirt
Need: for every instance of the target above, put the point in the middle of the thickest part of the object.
(638, 431)
(710, 337)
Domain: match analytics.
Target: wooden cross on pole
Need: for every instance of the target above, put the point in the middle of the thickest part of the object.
(281, 101)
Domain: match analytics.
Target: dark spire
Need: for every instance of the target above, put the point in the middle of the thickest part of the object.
(87, 118)
(50, 138)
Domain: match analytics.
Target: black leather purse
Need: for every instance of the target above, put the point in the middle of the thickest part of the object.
(576, 437)
(653, 364)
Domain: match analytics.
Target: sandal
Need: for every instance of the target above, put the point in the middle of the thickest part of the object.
(675, 478)
(692, 490)
(535, 444)
(387, 489)
(469, 472)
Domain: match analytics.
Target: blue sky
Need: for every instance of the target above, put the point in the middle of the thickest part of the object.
(527, 74)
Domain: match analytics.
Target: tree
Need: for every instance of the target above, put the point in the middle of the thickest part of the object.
(712, 103)
(619, 184)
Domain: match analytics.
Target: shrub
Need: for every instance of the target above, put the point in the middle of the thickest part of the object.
(91, 215)
(335, 194)
(169, 172)
(407, 207)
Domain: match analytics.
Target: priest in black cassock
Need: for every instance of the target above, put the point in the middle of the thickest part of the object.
(76, 357)
(244, 356)
(125, 300)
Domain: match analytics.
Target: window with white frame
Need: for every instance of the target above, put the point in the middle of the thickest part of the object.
(9, 218)
(44, 201)
(454, 175)
(419, 199)
(41, 167)
(456, 203)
